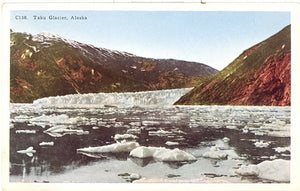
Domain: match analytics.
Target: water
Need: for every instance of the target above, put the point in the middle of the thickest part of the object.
(248, 135)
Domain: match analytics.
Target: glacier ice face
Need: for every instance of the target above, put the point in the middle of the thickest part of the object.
(129, 99)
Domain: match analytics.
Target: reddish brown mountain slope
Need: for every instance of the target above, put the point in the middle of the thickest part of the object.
(259, 76)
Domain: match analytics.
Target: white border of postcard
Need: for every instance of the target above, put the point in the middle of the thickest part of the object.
(189, 5)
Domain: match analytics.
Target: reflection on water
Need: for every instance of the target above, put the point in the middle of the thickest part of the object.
(253, 135)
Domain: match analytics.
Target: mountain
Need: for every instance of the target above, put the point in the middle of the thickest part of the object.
(261, 75)
(45, 65)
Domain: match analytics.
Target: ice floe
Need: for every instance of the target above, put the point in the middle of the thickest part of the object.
(215, 153)
(29, 151)
(276, 170)
(61, 130)
(120, 137)
(53, 119)
(135, 176)
(47, 143)
(160, 132)
(26, 131)
(261, 144)
(113, 148)
(282, 149)
(162, 154)
(221, 150)
(171, 143)
(21, 118)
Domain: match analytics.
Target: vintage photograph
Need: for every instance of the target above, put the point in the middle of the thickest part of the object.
(149, 96)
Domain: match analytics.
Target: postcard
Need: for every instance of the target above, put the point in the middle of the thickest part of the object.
(158, 96)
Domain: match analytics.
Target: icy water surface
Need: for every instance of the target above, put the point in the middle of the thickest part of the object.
(221, 138)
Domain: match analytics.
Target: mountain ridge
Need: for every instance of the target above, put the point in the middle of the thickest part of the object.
(258, 76)
(46, 65)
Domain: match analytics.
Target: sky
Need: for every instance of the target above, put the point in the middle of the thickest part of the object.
(214, 38)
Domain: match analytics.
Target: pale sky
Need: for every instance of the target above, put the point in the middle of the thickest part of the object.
(214, 38)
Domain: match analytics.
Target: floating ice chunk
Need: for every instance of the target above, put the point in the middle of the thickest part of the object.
(56, 129)
(21, 118)
(44, 120)
(119, 137)
(134, 131)
(134, 176)
(55, 134)
(231, 127)
(46, 143)
(101, 123)
(173, 155)
(26, 131)
(162, 154)
(119, 124)
(245, 130)
(29, 151)
(150, 123)
(259, 133)
(61, 130)
(282, 149)
(249, 170)
(222, 144)
(137, 123)
(171, 143)
(221, 150)
(160, 132)
(144, 152)
(261, 144)
(113, 148)
(277, 170)
(215, 153)
(226, 139)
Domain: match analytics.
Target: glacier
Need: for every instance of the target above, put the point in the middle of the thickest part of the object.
(127, 99)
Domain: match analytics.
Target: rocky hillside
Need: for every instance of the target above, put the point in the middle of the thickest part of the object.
(45, 65)
(261, 75)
